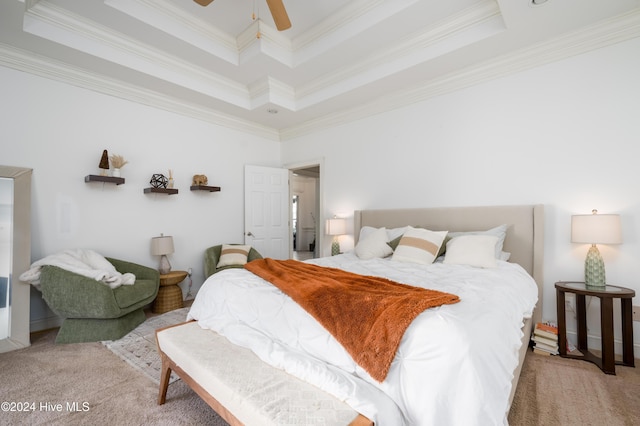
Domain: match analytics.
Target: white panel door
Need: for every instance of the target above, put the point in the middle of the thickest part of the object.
(266, 210)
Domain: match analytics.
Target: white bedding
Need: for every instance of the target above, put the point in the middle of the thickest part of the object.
(454, 365)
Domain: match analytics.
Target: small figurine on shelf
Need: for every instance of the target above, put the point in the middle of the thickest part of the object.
(104, 163)
(199, 180)
(170, 184)
(117, 162)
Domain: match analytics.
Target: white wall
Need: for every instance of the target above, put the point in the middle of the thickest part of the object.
(565, 135)
(60, 132)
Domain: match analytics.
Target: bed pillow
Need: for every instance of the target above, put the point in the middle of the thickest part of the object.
(394, 243)
(498, 231)
(473, 250)
(365, 231)
(233, 255)
(392, 233)
(419, 245)
(373, 245)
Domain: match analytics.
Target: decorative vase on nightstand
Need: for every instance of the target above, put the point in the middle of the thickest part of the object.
(594, 275)
(335, 247)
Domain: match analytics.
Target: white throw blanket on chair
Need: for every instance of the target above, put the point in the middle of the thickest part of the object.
(83, 262)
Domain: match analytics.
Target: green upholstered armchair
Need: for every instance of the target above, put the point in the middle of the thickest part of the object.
(212, 256)
(92, 311)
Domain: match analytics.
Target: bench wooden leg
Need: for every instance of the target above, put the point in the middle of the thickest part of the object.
(164, 378)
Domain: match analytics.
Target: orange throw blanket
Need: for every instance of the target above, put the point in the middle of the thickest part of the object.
(367, 315)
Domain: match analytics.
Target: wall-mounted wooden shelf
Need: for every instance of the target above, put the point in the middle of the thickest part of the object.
(205, 188)
(108, 179)
(161, 191)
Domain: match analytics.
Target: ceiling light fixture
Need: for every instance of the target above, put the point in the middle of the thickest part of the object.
(538, 2)
(255, 16)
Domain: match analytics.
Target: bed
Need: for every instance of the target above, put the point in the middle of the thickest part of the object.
(456, 364)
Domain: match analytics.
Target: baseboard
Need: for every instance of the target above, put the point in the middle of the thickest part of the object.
(595, 342)
(45, 323)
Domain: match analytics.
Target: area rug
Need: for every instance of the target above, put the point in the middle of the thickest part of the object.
(138, 348)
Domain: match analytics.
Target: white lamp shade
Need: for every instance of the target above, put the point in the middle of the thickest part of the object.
(596, 229)
(336, 226)
(161, 245)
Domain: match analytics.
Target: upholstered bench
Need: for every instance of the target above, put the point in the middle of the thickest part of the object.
(241, 388)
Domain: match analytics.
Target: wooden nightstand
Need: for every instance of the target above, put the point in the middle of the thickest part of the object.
(607, 362)
(169, 294)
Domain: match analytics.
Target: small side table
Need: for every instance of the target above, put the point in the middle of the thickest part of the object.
(607, 362)
(169, 294)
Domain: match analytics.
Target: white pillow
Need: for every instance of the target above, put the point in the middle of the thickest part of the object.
(473, 250)
(365, 231)
(419, 245)
(392, 233)
(498, 231)
(233, 255)
(374, 245)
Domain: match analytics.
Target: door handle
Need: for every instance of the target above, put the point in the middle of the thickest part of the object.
(249, 234)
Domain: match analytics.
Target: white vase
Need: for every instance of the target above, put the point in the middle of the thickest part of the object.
(115, 173)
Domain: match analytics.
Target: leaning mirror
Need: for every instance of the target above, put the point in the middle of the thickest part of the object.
(15, 256)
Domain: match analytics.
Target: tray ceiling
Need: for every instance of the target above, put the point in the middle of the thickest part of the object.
(339, 61)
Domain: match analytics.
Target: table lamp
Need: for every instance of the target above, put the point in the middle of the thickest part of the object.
(336, 227)
(595, 229)
(162, 246)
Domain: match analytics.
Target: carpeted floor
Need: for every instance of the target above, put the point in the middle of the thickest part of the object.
(105, 390)
(561, 391)
(86, 383)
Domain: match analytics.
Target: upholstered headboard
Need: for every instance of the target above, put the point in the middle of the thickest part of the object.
(525, 233)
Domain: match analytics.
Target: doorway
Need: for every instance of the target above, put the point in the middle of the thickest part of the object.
(305, 212)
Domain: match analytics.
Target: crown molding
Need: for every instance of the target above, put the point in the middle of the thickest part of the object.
(45, 67)
(605, 33)
(51, 22)
(482, 19)
(354, 18)
(62, 26)
(165, 16)
(602, 34)
(270, 90)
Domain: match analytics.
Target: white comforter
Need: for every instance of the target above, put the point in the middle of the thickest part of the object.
(454, 365)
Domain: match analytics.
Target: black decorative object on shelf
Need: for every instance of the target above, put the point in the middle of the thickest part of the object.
(159, 180)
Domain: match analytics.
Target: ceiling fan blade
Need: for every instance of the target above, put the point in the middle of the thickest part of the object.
(279, 14)
(203, 2)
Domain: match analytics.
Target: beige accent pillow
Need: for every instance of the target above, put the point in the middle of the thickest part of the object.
(419, 245)
(374, 245)
(233, 255)
(474, 250)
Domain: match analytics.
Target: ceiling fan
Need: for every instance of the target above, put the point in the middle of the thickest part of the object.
(276, 7)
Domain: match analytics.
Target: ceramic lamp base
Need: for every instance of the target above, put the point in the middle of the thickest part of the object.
(594, 275)
(335, 248)
(165, 266)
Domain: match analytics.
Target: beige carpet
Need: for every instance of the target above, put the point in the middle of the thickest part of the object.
(115, 393)
(552, 391)
(560, 391)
